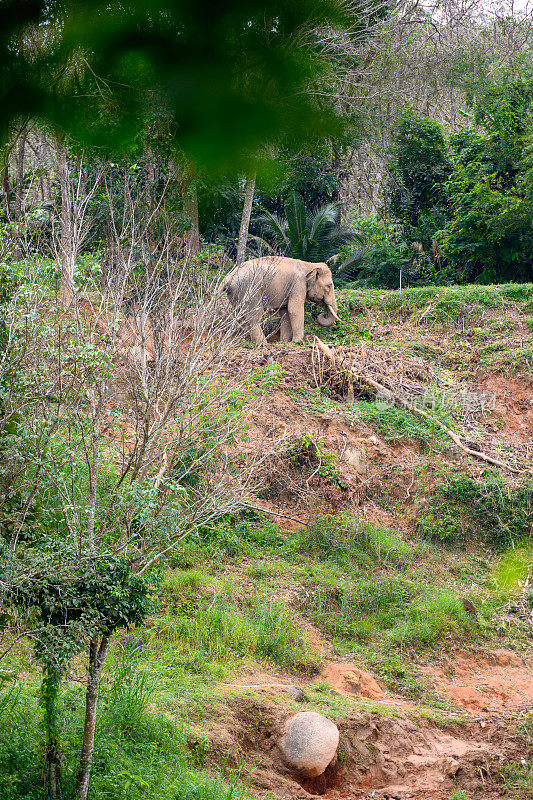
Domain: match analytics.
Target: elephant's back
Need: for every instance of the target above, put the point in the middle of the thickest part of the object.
(244, 272)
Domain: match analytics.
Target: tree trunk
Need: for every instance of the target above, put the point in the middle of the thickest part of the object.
(52, 754)
(189, 196)
(66, 247)
(19, 173)
(97, 656)
(5, 183)
(93, 464)
(245, 220)
(190, 211)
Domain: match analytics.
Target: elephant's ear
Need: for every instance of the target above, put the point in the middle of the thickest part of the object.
(314, 270)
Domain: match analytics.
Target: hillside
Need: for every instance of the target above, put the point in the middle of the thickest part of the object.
(381, 576)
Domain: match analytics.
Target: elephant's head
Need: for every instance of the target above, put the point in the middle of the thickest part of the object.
(320, 289)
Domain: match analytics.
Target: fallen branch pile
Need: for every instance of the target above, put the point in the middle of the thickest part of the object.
(362, 378)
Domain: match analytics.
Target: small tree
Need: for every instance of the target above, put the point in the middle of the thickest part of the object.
(122, 401)
(419, 169)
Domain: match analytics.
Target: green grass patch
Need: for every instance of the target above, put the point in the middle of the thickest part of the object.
(449, 304)
(518, 778)
(399, 423)
(379, 596)
(352, 543)
(205, 631)
(388, 611)
(509, 574)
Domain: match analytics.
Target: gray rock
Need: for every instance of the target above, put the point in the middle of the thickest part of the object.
(309, 743)
(295, 692)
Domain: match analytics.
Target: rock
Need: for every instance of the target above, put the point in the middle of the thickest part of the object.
(469, 607)
(356, 459)
(309, 743)
(296, 692)
(452, 767)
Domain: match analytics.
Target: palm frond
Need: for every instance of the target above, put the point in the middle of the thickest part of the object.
(353, 262)
(322, 217)
(277, 226)
(263, 246)
(296, 216)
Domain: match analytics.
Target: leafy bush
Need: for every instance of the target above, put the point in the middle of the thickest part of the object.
(464, 508)
(378, 259)
(419, 168)
(463, 205)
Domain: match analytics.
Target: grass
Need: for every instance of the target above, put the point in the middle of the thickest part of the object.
(476, 325)
(242, 600)
(399, 423)
(518, 778)
(435, 304)
(240, 593)
(380, 600)
(391, 612)
(350, 542)
(139, 753)
(510, 573)
(214, 624)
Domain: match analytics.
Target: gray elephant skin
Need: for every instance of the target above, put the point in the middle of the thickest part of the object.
(281, 285)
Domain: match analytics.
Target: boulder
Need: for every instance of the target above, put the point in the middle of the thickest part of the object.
(309, 743)
(296, 692)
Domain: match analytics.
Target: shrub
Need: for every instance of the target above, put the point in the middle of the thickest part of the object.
(488, 510)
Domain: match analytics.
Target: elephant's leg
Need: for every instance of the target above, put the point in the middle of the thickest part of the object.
(295, 308)
(256, 331)
(285, 328)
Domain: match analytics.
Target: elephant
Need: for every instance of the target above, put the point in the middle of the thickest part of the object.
(281, 285)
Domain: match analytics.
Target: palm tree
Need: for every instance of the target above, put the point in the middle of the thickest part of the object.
(310, 236)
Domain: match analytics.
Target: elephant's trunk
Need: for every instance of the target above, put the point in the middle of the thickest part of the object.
(330, 317)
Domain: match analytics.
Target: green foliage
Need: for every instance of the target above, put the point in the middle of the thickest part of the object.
(310, 173)
(379, 257)
(308, 235)
(510, 572)
(210, 628)
(373, 600)
(138, 752)
(464, 509)
(20, 736)
(400, 423)
(420, 167)
(222, 84)
(348, 541)
(464, 205)
(69, 605)
(489, 236)
(391, 611)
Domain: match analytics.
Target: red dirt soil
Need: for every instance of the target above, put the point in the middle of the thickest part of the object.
(501, 681)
